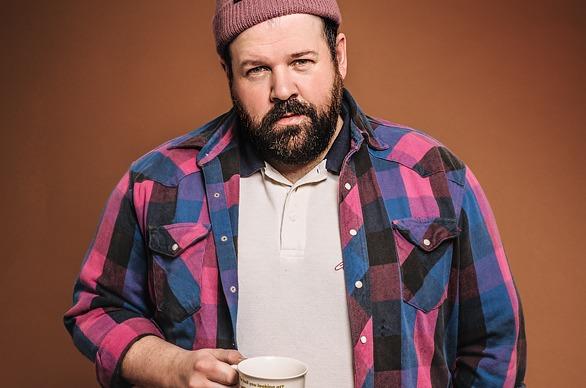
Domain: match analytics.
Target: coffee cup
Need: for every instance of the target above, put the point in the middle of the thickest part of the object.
(271, 372)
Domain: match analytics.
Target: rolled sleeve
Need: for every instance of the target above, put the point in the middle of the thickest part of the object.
(114, 347)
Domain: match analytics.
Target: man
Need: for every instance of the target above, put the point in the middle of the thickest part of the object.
(296, 225)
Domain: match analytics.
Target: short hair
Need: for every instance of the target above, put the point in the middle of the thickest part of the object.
(330, 32)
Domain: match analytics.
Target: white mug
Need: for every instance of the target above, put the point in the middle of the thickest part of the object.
(271, 372)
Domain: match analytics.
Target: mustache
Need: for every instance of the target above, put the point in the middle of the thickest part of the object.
(282, 108)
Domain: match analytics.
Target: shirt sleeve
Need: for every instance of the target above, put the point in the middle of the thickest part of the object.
(491, 336)
(111, 308)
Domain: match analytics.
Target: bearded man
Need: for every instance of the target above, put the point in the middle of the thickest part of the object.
(296, 225)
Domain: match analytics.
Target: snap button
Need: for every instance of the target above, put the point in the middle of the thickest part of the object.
(233, 289)
(353, 232)
(224, 238)
(348, 186)
(216, 195)
(426, 242)
(363, 339)
(174, 247)
(358, 284)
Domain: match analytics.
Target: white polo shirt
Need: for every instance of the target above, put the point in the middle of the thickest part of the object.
(292, 298)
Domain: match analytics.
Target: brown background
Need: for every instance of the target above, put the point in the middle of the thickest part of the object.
(88, 86)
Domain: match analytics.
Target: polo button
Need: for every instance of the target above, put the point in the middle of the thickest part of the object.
(224, 238)
(363, 339)
(233, 289)
(353, 232)
(348, 186)
(174, 247)
(216, 195)
(426, 242)
(358, 284)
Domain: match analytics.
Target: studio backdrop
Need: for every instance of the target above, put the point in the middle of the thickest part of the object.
(89, 86)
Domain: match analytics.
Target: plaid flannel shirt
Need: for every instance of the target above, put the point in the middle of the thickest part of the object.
(437, 308)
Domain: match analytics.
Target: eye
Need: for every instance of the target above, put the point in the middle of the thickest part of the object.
(256, 70)
(302, 62)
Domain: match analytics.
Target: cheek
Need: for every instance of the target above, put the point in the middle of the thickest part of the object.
(317, 90)
(254, 100)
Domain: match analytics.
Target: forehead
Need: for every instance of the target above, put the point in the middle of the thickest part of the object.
(280, 36)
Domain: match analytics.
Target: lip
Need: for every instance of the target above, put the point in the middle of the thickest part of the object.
(291, 119)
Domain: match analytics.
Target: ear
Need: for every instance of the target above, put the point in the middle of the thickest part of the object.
(224, 66)
(341, 54)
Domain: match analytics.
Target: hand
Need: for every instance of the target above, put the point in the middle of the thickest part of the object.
(152, 362)
(207, 368)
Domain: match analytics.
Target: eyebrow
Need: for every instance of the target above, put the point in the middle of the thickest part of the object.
(304, 53)
(258, 62)
(251, 62)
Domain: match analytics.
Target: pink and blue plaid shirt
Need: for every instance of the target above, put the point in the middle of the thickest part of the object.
(437, 306)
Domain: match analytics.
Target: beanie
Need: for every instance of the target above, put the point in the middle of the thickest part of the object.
(232, 17)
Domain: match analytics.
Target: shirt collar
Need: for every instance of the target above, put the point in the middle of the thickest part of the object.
(251, 162)
(340, 146)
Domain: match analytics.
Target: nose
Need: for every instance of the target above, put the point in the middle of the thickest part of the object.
(283, 86)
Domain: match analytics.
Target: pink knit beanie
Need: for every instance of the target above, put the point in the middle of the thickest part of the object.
(234, 16)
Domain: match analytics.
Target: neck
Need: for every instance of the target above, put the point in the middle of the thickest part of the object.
(295, 172)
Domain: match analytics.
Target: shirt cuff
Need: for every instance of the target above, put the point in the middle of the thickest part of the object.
(114, 346)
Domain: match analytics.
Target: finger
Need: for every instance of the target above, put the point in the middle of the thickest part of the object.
(223, 373)
(228, 356)
(212, 384)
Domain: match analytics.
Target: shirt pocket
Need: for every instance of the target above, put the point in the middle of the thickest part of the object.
(424, 249)
(177, 252)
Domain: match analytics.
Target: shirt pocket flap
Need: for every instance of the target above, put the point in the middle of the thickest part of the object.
(171, 240)
(427, 234)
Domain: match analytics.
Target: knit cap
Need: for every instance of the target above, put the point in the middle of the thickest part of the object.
(232, 17)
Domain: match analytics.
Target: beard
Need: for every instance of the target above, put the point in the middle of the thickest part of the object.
(293, 144)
